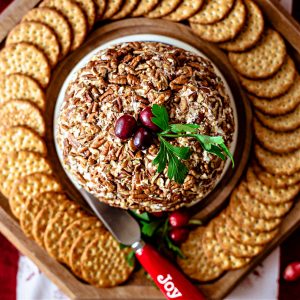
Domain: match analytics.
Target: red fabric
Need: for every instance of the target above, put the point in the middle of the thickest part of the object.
(4, 4)
(9, 258)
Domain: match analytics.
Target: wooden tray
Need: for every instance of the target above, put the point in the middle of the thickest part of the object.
(139, 287)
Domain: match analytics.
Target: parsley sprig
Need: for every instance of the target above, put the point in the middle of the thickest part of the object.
(172, 155)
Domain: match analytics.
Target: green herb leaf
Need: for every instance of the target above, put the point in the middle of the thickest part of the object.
(161, 159)
(180, 128)
(177, 170)
(130, 258)
(181, 152)
(122, 246)
(149, 229)
(173, 247)
(161, 118)
(144, 216)
(226, 150)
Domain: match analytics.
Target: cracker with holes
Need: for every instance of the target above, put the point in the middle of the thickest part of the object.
(112, 7)
(127, 8)
(34, 205)
(21, 138)
(25, 59)
(22, 113)
(288, 122)
(212, 11)
(39, 35)
(163, 8)
(21, 87)
(274, 86)
(278, 142)
(16, 165)
(251, 32)
(57, 22)
(104, 264)
(75, 17)
(224, 30)
(279, 164)
(185, 10)
(144, 7)
(281, 105)
(195, 263)
(262, 61)
(29, 186)
(100, 8)
(72, 232)
(89, 8)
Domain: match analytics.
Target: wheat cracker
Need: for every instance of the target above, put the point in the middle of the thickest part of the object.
(72, 232)
(104, 263)
(251, 32)
(57, 22)
(262, 61)
(163, 8)
(25, 59)
(100, 8)
(236, 211)
(287, 122)
(89, 8)
(185, 10)
(126, 9)
(18, 86)
(212, 11)
(22, 113)
(16, 165)
(195, 263)
(278, 142)
(75, 17)
(144, 7)
(34, 205)
(112, 7)
(29, 186)
(274, 86)
(21, 138)
(224, 30)
(38, 34)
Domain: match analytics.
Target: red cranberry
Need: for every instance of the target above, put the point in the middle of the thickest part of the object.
(145, 116)
(125, 127)
(178, 235)
(178, 219)
(292, 272)
(143, 138)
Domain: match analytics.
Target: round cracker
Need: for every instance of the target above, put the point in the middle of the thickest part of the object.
(281, 105)
(25, 59)
(104, 264)
(228, 241)
(246, 221)
(163, 8)
(195, 263)
(144, 7)
(248, 237)
(127, 8)
(22, 113)
(75, 17)
(216, 254)
(275, 181)
(57, 22)
(274, 86)
(262, 61)
(89, 8)
(258, 209)
(212, 11)
(278, 142)
(18, 86)
(72, 232)
(226, 29)
(185, 10)
(279, 164)
(16, 165)
(100, 8)
(21, 138)
(39, 35)
(34, 205)
(251, 32)
(288, 122)
(112, 7)
(56, 226)
(29, 186)
(78, 246)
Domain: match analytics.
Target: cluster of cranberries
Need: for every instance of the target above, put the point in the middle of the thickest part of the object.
(292, 271)
(179, 220)
(143, 134)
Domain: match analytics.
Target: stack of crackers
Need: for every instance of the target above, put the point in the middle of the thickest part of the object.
(259, 203)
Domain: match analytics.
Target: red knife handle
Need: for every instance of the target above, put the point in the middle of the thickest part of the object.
(172, 283)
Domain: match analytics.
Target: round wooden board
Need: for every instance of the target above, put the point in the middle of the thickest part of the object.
(214, 201)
